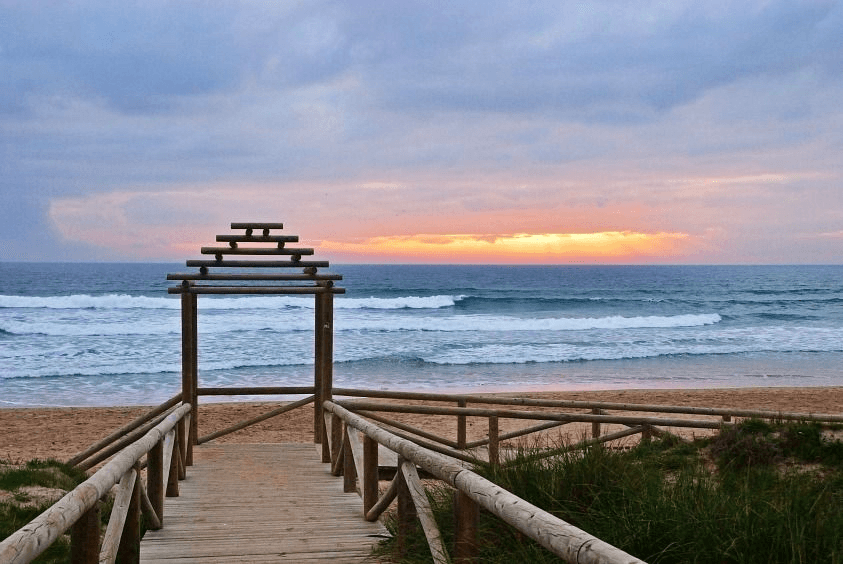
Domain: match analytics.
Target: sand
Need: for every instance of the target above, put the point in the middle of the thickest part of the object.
(62, 432)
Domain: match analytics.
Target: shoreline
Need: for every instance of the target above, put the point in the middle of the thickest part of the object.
(61, 432)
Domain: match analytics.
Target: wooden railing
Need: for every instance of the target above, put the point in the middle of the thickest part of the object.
(356, 459)
(474, 491)
(163, 443)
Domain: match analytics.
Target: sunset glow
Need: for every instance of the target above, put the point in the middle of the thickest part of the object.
(517, 248)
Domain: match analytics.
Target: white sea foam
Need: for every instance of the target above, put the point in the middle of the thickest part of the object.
(122, 301)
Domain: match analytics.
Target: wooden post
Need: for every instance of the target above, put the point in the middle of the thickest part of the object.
(173, 477)
(494, 442)
(155, 478)
(461, 426)
(85, 537)
(189, 369)
(336, 438)
(647, 433)
(407, 518)
(181, 433)
(370, 473)
(465, 523)
(327, 361)
(129, 549)
(349, 471)
(318, 344)
(595, 426)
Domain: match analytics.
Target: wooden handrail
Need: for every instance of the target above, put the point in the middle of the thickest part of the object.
(561, 538)
(580, 404)
(33, 538)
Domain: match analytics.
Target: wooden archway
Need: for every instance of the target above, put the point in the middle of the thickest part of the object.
(258, 276)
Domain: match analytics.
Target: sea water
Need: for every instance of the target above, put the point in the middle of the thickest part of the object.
(109, 334)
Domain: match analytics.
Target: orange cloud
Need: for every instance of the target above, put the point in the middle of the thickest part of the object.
(607, 246)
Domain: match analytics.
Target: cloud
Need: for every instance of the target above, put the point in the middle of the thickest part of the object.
(402, 118)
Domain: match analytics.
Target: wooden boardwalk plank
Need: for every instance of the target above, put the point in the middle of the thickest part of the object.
(261, 503)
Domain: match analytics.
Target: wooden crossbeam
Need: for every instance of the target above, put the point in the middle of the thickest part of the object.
(259, 263)
(256, 225)
(255, 290)
(254, 251)
(253, 277)
(257, 239)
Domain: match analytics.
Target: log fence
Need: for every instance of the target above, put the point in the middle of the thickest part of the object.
(78, 511)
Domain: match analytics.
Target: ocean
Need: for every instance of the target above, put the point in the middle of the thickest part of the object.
(75, 334)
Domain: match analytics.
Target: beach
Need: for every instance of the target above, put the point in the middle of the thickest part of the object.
(62, 432)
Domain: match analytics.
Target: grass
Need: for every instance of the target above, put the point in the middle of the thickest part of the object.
(23, 508)
(761, 491)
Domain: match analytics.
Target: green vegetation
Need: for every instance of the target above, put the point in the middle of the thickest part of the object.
(761, 492)
(22, 507)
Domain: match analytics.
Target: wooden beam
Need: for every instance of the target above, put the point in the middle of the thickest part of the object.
(259, 263)
(255, 251)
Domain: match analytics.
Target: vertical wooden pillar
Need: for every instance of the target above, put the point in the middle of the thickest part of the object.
(336, 442)
(349, 471)
(181, 433)
(155, 478)
(327, 361)
(407, 518)
(461, 426)
(494, 441)
(189, 369)
(465, 539)
(595, 426)
(129, 550)
(318, 345)
(370, 473)
(85, 537)
(173, 470)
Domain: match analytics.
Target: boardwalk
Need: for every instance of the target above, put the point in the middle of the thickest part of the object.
(261, 503)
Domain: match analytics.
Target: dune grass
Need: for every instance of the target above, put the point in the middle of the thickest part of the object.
(22, 507)
(761, 491)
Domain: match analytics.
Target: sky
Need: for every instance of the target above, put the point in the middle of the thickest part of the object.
(550, 132)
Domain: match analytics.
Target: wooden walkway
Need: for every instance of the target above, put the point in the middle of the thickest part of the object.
(261, 503)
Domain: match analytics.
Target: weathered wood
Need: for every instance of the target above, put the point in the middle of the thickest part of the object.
(406, 511)
(383, 502)
(579, 404)
(257, 277)
(261, 503)
(256, 225)
(356, 448)
(85, 537)
(259, 263)
(117, 520)
(257, 391)
(254, 420)
(318, 368)
(172, 465)
(33, 538)
(148, 510)
(349, 467)
(538, 455)
(256, 251)
(190, 348)
(155, 478)
(466, 518)
(461, 425)
(512, 414)
(336, 438)
(326, 357)
(258, 290)
(595, 425)
(370, 473)
(561, 538)
(425, 514)
(520, 433)
(127, 551)
(122, 431)
(494, 441)
(117, 446)
(257, 238)
(408, 428)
